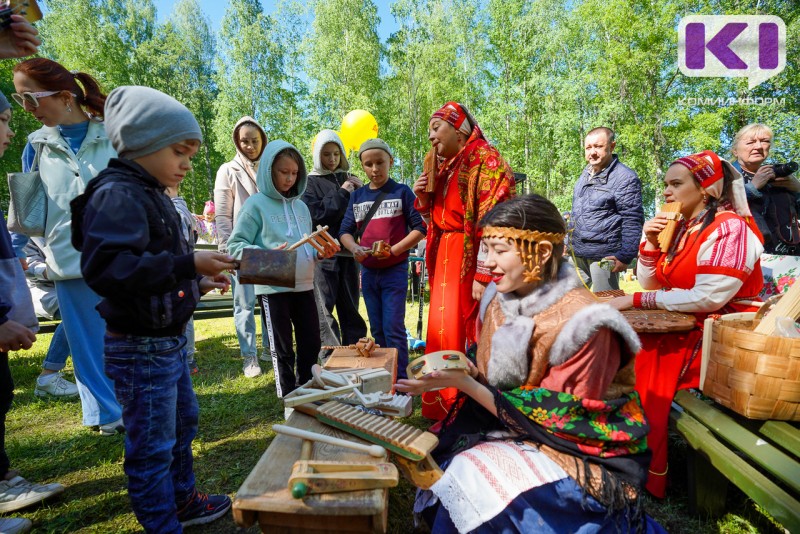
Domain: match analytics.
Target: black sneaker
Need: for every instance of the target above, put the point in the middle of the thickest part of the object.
(203, 508)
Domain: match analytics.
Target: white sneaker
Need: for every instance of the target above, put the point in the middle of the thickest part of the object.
(18, 493)
(251, 368)
(55, 387)
(14, 525)
(113, 428)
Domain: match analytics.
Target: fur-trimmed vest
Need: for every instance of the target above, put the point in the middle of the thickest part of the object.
(556, 320)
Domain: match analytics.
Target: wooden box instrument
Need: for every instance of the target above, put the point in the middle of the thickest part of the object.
(310, 477)
(344, 358)
(266, 498)
(672, 211)
(268, 267)
(410, 446)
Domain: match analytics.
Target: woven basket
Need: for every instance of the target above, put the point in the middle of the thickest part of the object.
(753, 374)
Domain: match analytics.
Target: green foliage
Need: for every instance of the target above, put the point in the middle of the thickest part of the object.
(536, 75)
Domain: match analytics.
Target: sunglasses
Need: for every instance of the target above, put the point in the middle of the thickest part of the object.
(33, 98)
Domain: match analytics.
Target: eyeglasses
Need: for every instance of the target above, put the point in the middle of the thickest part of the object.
(33, 98)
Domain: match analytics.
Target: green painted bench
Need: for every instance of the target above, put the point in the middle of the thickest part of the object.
(762, 458)
(211, 306)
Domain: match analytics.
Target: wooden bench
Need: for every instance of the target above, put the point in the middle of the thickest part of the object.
(264, 496)
(762, 458)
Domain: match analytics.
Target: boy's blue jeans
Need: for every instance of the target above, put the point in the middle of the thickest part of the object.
(160, 412)
(385, 297)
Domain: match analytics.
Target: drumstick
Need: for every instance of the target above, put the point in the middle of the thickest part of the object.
(373, 450)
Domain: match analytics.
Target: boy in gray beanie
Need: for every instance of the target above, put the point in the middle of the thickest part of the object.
(134, 256)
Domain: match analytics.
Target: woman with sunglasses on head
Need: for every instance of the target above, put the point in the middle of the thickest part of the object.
(72, 148)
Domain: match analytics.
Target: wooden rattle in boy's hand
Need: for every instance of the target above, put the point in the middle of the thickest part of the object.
(381, 250)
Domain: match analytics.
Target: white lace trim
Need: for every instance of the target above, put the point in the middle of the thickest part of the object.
(482, 481)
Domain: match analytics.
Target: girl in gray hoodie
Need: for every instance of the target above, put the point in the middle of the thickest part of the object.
(236, 181)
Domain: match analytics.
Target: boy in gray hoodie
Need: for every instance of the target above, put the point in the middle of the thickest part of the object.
(274, 216)
(236, 181)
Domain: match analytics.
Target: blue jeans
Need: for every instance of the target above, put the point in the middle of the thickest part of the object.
(84, 328)
(385, 297)
(244, 320)
(58, 350)
(160, 412)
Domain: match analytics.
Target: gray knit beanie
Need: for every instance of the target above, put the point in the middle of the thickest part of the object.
(4, 105)
(376, 142)
(141, 120)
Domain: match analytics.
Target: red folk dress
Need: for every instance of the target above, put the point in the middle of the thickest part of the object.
(467, 187)
(719, 262)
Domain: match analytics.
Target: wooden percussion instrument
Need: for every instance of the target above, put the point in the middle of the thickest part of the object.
(430, 166)
(363, 347)
(27, 8)
(410, 446)
(443, 360)
(319, 239)
(659, 321)
(266, 498)
(651, 321)
(380, 250)
(672, 211)
(268, 267)
(313, 477)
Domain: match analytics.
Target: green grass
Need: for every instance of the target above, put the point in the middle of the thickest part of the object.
(47, 443)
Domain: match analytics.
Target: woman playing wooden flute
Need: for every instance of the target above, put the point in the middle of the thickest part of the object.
(712, 266)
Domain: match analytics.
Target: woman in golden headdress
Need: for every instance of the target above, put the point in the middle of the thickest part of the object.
(546, 434)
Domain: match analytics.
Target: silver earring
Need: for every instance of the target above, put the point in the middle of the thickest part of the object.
(69, 108)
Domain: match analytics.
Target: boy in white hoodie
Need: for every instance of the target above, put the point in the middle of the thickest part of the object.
(274, 216)
(236, 181)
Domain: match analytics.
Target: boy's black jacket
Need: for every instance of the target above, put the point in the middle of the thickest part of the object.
(133, 254)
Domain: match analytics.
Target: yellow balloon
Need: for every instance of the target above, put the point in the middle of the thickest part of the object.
(358, 126)
(346, 148)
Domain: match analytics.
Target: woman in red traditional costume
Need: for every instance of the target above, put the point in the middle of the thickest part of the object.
(470, 178)
(712, 266)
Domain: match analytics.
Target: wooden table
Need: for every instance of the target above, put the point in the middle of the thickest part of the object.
(265, 498)
(345, 358)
